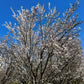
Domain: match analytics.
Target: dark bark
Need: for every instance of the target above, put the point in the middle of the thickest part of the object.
(23, 81)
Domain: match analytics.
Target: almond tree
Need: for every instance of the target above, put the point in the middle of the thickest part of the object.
(41, 47)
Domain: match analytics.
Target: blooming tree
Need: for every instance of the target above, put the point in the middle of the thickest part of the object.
(41, 47)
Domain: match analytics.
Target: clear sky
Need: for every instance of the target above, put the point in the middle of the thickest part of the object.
(61, 5)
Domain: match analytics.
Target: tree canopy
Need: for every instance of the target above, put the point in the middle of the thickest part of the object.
(41, 47)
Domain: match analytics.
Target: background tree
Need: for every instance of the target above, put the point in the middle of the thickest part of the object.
(41, 47)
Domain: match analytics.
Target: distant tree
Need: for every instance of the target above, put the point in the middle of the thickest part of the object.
(41, 47)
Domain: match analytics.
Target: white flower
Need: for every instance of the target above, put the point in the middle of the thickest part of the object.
(70, 38)
(79, 28)
(49, 5)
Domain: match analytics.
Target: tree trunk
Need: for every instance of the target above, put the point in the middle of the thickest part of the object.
(23, 81)
(35, 81)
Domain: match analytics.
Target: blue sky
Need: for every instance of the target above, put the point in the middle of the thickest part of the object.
(61, 5)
